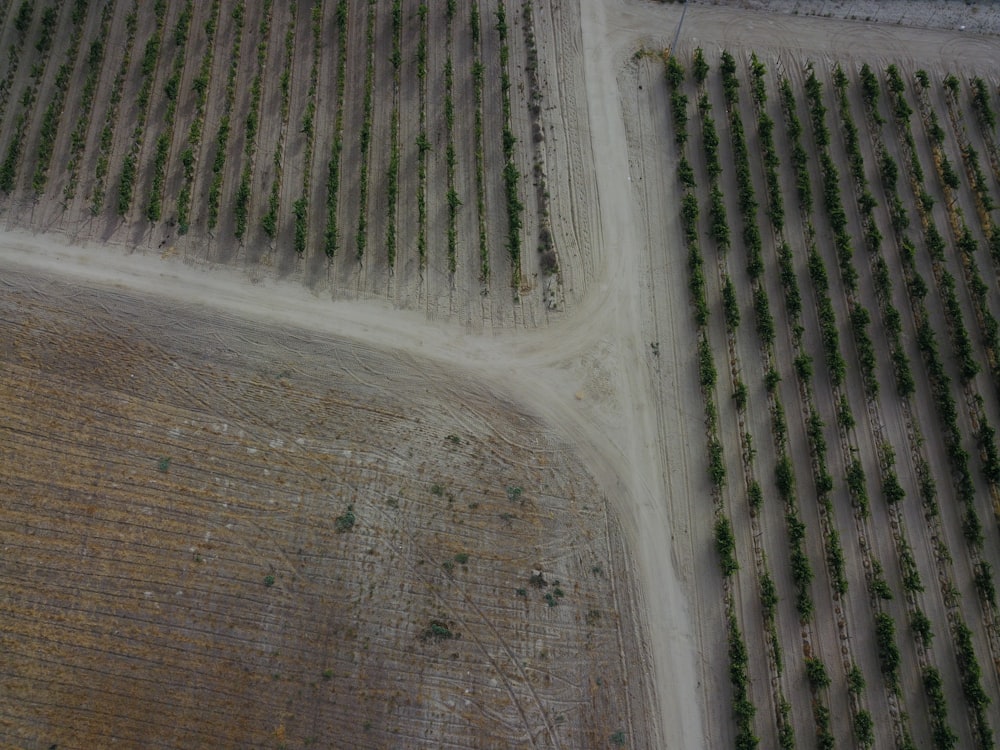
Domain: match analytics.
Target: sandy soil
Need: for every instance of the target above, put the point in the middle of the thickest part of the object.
(973, 17)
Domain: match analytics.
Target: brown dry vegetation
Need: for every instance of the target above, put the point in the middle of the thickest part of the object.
(178, 568)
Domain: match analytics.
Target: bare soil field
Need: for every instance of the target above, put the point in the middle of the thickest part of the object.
(218, 532)
(299, 497)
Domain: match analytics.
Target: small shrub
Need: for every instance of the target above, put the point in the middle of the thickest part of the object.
(771, 380)
(740, 395)
(816, 674)
(438, 630)
(855, 680)
(345, 522)
(864, 729)
(725, 546)
(983, 579)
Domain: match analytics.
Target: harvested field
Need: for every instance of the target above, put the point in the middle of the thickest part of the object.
(330, 438)
(214, 530)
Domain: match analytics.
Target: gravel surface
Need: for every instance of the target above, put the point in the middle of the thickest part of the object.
(979, 18)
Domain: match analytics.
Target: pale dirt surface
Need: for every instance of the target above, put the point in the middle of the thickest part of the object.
(589, 377)
(976, 16)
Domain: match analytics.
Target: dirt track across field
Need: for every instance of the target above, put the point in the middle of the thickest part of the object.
(590, 376)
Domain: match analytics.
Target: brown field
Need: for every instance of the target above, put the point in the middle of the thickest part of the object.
(173, 571)
(265, 497)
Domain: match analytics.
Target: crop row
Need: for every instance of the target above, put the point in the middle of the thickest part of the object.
(983, 432)
(451, 195)
(511, 176)
(968, 248)
(986, 116)
(78, 138)
(765, 340)
(361, 238)
(784, 472)
(22, 22)
(269, 221)
(855, 479)
(193, 143)
(53, 112)
(300, 208)
(15, 149)
(743, 707)
(333, 168)
(943, 734)
(891, 489)
(925, 333)
(725, 537)
(941, 382)
(241, 208)
(477, 84)
(392, 171)
(222, 133)
(154, 207)
(148, 67)
(423, 143)
(548, 258)
(106, 139)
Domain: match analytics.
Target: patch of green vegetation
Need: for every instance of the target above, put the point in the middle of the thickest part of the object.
(346, 521)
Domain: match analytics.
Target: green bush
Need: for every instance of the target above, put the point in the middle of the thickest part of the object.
(922, 629)
(888, 651)
(674, 72)
(345, 522)
(699, 66)
(725, 546)
(942, 735)
(438, 630)
(864, 729)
